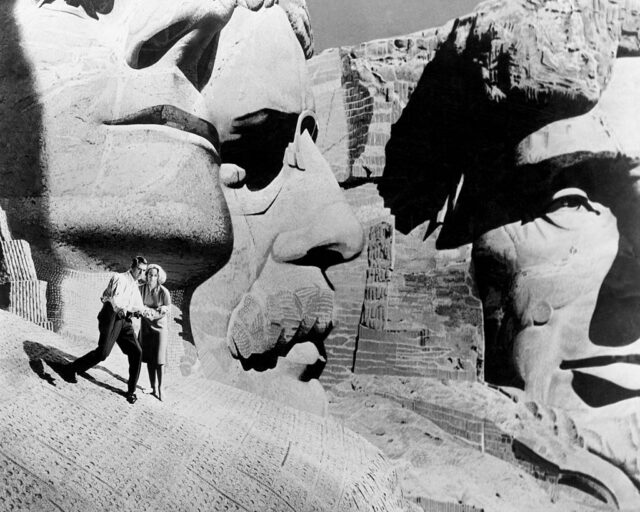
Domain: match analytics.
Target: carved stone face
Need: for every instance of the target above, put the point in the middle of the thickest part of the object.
(573, 270)
(273, 306)
(109, 147)
(556, 264)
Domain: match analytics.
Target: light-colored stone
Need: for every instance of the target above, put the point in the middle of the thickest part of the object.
(584, 264)
(208, 446)
(290, 219)
(128, 158)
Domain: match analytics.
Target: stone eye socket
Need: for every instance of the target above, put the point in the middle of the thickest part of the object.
(257, 144)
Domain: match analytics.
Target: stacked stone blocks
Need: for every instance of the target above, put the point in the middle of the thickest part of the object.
(21, 293)
(349, 282)
(430, 315)
(430, 326)
(430, 505)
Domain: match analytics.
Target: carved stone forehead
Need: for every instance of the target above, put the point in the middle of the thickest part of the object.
(260, 66)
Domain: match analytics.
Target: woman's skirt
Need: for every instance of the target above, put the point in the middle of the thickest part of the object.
(154, 342)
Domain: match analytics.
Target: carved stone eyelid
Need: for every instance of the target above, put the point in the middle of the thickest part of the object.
(571, 197)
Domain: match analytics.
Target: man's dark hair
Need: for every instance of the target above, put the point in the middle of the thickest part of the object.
(138, 260)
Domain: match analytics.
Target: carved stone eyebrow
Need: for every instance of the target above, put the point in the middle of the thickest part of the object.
(88, 5)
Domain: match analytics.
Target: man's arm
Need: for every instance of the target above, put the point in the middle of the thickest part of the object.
(137, 305)
(114, 293)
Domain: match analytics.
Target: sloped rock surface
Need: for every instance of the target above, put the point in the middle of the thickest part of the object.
(467, 443)
(210, 447)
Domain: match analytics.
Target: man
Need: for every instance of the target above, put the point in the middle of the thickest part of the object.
(121, 300)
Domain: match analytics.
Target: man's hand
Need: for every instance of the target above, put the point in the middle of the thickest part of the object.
(148, 313)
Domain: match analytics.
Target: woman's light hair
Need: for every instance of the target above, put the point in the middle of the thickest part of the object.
(162, 275)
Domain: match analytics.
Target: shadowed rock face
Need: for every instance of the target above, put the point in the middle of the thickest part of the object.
(80, 447)
(494, 77)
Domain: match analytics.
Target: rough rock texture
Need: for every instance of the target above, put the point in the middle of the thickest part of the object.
(482, 81)
(451, 108)
(516, 455)
(417, 314)
(81, 447)
(454, 109)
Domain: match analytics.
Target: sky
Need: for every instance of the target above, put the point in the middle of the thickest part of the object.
(347, 22)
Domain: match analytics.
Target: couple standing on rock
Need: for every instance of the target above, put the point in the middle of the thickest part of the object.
(129, 295)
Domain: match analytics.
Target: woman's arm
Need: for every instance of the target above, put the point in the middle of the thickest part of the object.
(163, 309)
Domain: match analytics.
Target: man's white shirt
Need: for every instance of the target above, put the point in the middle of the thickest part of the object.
(123, 293)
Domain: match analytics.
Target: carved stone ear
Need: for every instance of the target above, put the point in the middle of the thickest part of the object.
(307, 120)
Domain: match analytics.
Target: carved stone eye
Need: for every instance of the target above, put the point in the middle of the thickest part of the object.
(570, 198)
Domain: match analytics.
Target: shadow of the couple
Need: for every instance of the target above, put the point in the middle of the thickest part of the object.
(57, 361)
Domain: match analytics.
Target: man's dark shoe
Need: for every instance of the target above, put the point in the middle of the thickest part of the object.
(131, 398)
(66, 372)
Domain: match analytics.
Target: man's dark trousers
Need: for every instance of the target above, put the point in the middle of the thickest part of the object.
(113, 330)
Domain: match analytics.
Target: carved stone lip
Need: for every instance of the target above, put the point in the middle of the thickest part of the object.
(173, 117)
(591, 362)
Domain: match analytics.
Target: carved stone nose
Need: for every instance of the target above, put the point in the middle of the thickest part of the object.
(335, 232)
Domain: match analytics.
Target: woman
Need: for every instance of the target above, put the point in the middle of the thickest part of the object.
(154, 326)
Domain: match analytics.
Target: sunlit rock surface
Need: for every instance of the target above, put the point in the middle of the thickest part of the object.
(212, 447)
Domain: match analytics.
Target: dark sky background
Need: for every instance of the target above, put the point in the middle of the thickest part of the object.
(346, 22)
